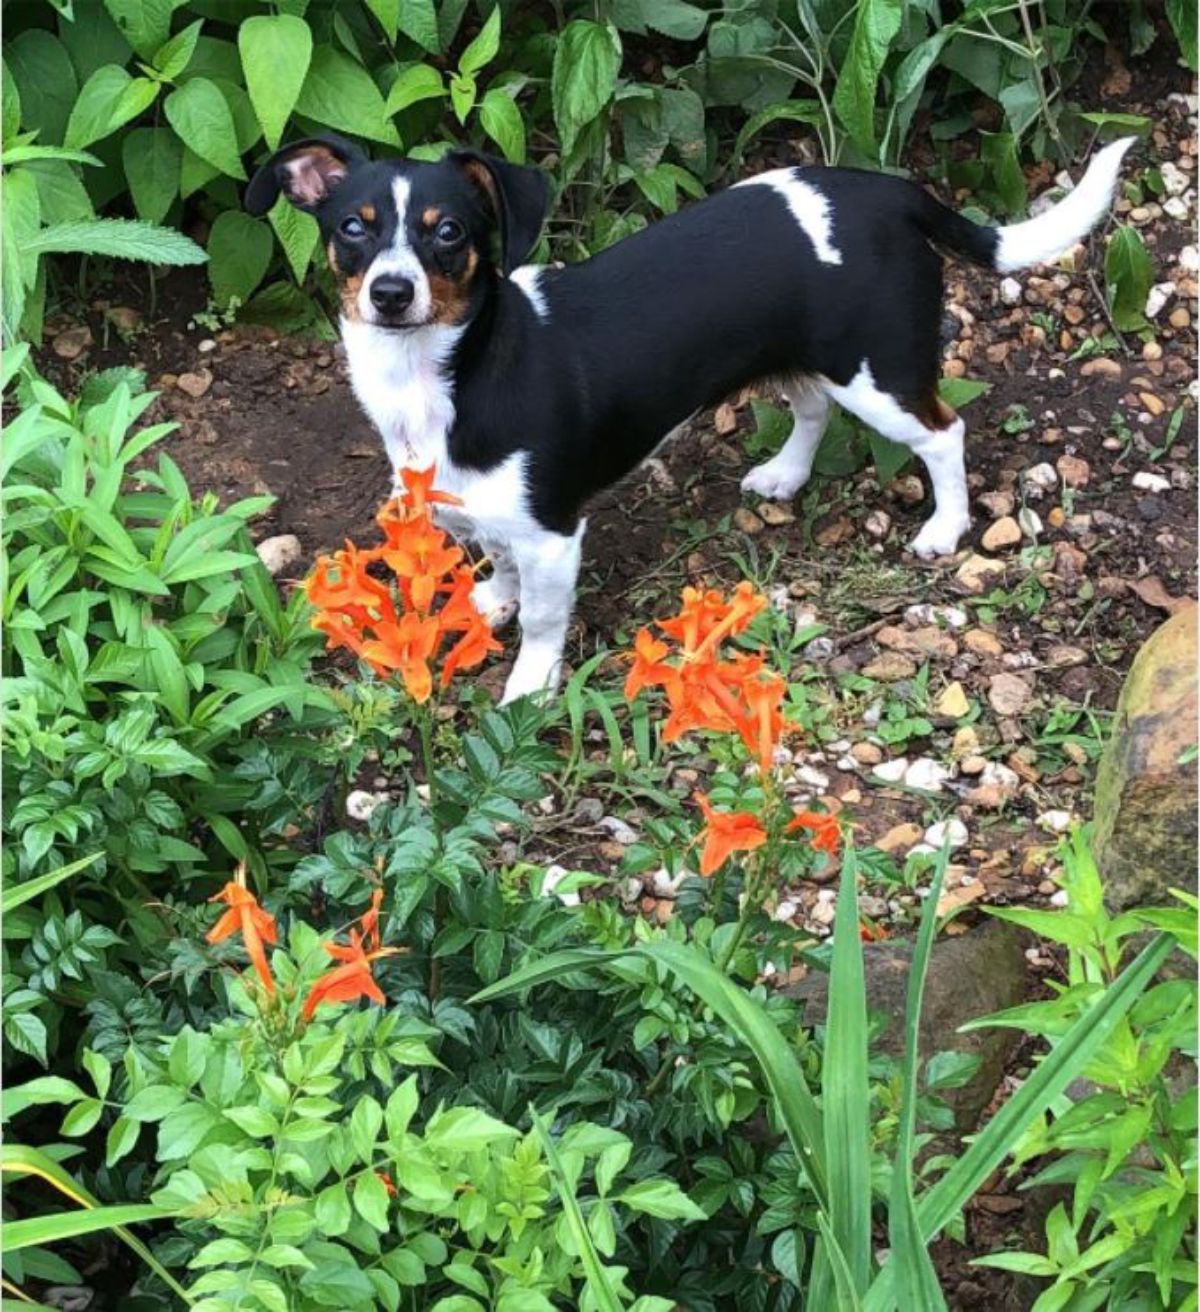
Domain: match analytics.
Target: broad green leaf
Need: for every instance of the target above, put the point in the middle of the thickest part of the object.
(298, 234)
(587, 59)
(200, 114)
(172, 58)
(122, 239)
(501, 120)
(1128, 277)
(45, 81)
(388, 14)
(676, 19)
(276, 51)
(341, 94)
(482, 50)
(145, 24)
(109, 99)
(62, 195)
(415, 83)
(998, 151)
(661, 1198)
(1183, 17)
(11, 117)
(418, 19)
(876, 24)
(239, 254)
(152, 158)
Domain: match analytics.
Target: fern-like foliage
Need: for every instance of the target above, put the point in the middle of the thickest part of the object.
(122, 239)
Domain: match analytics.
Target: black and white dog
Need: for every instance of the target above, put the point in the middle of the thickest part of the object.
(534, 387)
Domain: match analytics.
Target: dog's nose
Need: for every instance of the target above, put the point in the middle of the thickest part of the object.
(391, 294)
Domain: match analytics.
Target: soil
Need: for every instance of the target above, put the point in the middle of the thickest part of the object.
(1065, 616)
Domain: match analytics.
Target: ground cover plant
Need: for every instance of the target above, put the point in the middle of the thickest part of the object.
(328, 984)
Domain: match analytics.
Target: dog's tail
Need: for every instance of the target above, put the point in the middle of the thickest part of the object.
(1019, 245)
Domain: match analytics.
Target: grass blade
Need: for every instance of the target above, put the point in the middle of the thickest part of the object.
(1050, 1078)
(917, 1284)
(603, 1294)
(56, 1226)
(543, 969)
(14, 895)
(845, 1092)
(832, 1256)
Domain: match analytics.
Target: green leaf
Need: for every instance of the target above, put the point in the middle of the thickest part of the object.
(58, 1226)
(1128, 277)
(276, 52)
(417, 82)
(239, 255)
(341, 94)
(145, 24)
(958, 392)
(501, 120)
(371, 1200)
(671, 18)
(109, 99)
(792, 111)
(172, 58)
(661, 1198)
(152, 159)
(298, 234)
(846, 1094)
(482, 50)
(1182, 14)
(587, 59)
(10, 120)
(44, 79)
(14, 895)
(998, 151)
(388, 14)
(418, 20)
(200, 114)
(876, 24)
(122, 239)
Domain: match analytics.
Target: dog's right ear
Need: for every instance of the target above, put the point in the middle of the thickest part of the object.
(307, 172)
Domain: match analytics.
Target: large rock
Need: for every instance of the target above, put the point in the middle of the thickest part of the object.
(969, 976)
(1145, 830)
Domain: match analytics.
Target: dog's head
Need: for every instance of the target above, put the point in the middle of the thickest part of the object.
(410, 243)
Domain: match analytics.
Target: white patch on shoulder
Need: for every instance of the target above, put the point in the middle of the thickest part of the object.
(810, 209)
(399, 258)
(528, 278)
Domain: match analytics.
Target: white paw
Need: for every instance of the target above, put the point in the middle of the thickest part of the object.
(938, 539)
(777, 480)
(494, 601)
(536, 673)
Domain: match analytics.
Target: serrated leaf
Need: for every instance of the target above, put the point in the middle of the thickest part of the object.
(876, 23)
(587, 59)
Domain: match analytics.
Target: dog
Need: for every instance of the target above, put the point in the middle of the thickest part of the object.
(534, 387)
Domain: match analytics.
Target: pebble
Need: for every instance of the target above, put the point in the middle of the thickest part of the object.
(922, 612)
(1175, 180)
(1008, 694)
(972, 765)
(899, 836)
(71, 343)
(774, 512)
(1042, 477)
(824, 912)
(928, 640)
(747, 521)
(1157, 297)
(892, 771)
(1060, 898)
(982, 643)
(280, 552)
(207, 346)
(953, 702)
(1004, 532)
(589, 810)
(360, 805)
(1056, 822)
(819, 650)
(805, 774)
(785, 911)
(889, 666)
(665, 884)
(952, 830)
(630, 889)
(550, 881)
(621, 832)
(195, 383)
(874, 907)
(1148, 482)
(878, 524)
(998, 503)
(1179, 318)
(1030, 522)
(124, 318)
(866, 753)
(1101, 367)
(977, 572)
(1010, 291)
(926, 774)
(1073, 470)
(1189, 259)
(908, 489)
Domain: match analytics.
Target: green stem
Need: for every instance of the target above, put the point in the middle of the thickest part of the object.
(425, 732)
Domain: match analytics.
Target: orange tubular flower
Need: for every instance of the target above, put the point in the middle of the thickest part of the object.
(418, 486)
(247, 918)
(349, 981)
(826, 832)
(726, 832)
(407, 647)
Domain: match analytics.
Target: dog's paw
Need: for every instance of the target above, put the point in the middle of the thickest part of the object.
(496, 603)
(937, 539)
(777, 480)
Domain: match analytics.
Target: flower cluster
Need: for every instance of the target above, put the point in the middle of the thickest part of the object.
(726, 832)
(705, 688)
(402, 628)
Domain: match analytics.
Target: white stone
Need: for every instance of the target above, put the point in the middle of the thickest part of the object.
(1010, 291)
(779, 599)
(1060, 898)
(927, 774)
(1176, 207)
(805, 774)
(1158, 296)
(619, 830)
(1030, 522)
(922, 613)
(1189, 259)
(1148, 482)
(630, 889)
(279, 552)
(1044, 477)
(1174, 178)
(820, 649)
(952, 829)
(1057, 822)
(550, 881)
(360, 805)
(665, 884)
(891, 771)
(785, 911)
(1000, 776)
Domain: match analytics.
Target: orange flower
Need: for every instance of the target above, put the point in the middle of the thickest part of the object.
(705, 619)
(649, 669)
(826, 832)
(247, 918)
(388, 1183)
(349, 981)
(419, 490)
(407, 647)
(726, 832)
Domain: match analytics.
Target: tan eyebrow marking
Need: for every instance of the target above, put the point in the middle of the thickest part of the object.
(431, 216)
(367, 212)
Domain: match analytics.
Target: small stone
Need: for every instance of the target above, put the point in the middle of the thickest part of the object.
(1061, 656)
(892, 771)
(360, 805)
(908, 489)
(1010, 291)
(818, 650)
(1073, 470)
(1154, 404)
(973, 765)
(998, 503)
(1189, 259)
(1041, 477)
(977, 572)
(953, 830)
(550, 881)
(622, 833)
(195, 383)
(878, 524)
(899, 836)
(982, 643)
(921, 612)
(775, 513)
(71, 343)
(630, 889)
(1152, 351)
(1175, 180)
(814, 779)
(1030, 523)
(1004, 532)
(124, 318)
(839, 529)
(280, 552)
(1157, 297)
(1100, 367)
(953, 702)
(664, 884)
(966, 741)
(747, 521)
(889, 666)
(1056, 517)
(1055, 822)
(588, 811)
(786, 911)
(207, 346)
(1060, 898)
(926, 774)
(1148, 482)
(928, 640)
(1008, 694)
(866, 753)
(997, 775)
(1179, 318)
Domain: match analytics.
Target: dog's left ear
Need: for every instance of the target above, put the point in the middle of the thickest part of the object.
(518, 197)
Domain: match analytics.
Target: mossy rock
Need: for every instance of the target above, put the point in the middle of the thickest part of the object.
(1145, 829)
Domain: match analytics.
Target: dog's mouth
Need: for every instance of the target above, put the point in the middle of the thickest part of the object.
(395, 324)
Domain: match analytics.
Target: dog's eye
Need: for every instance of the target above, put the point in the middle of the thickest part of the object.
(353, 228)
(448, 233)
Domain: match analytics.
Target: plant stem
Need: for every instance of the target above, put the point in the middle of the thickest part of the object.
(425, 732)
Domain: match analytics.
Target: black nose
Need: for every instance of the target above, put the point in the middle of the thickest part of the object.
(391, 294)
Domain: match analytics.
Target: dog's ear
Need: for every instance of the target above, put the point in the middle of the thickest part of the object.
(518, 197)
(307, 172)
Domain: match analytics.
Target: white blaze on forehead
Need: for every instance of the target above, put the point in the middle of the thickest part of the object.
(399, 258)
(809, 208)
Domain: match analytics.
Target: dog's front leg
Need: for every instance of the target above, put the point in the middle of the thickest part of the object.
(548, 565)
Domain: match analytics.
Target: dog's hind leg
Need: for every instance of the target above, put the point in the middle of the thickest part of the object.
(548, 565)
(781, 477)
